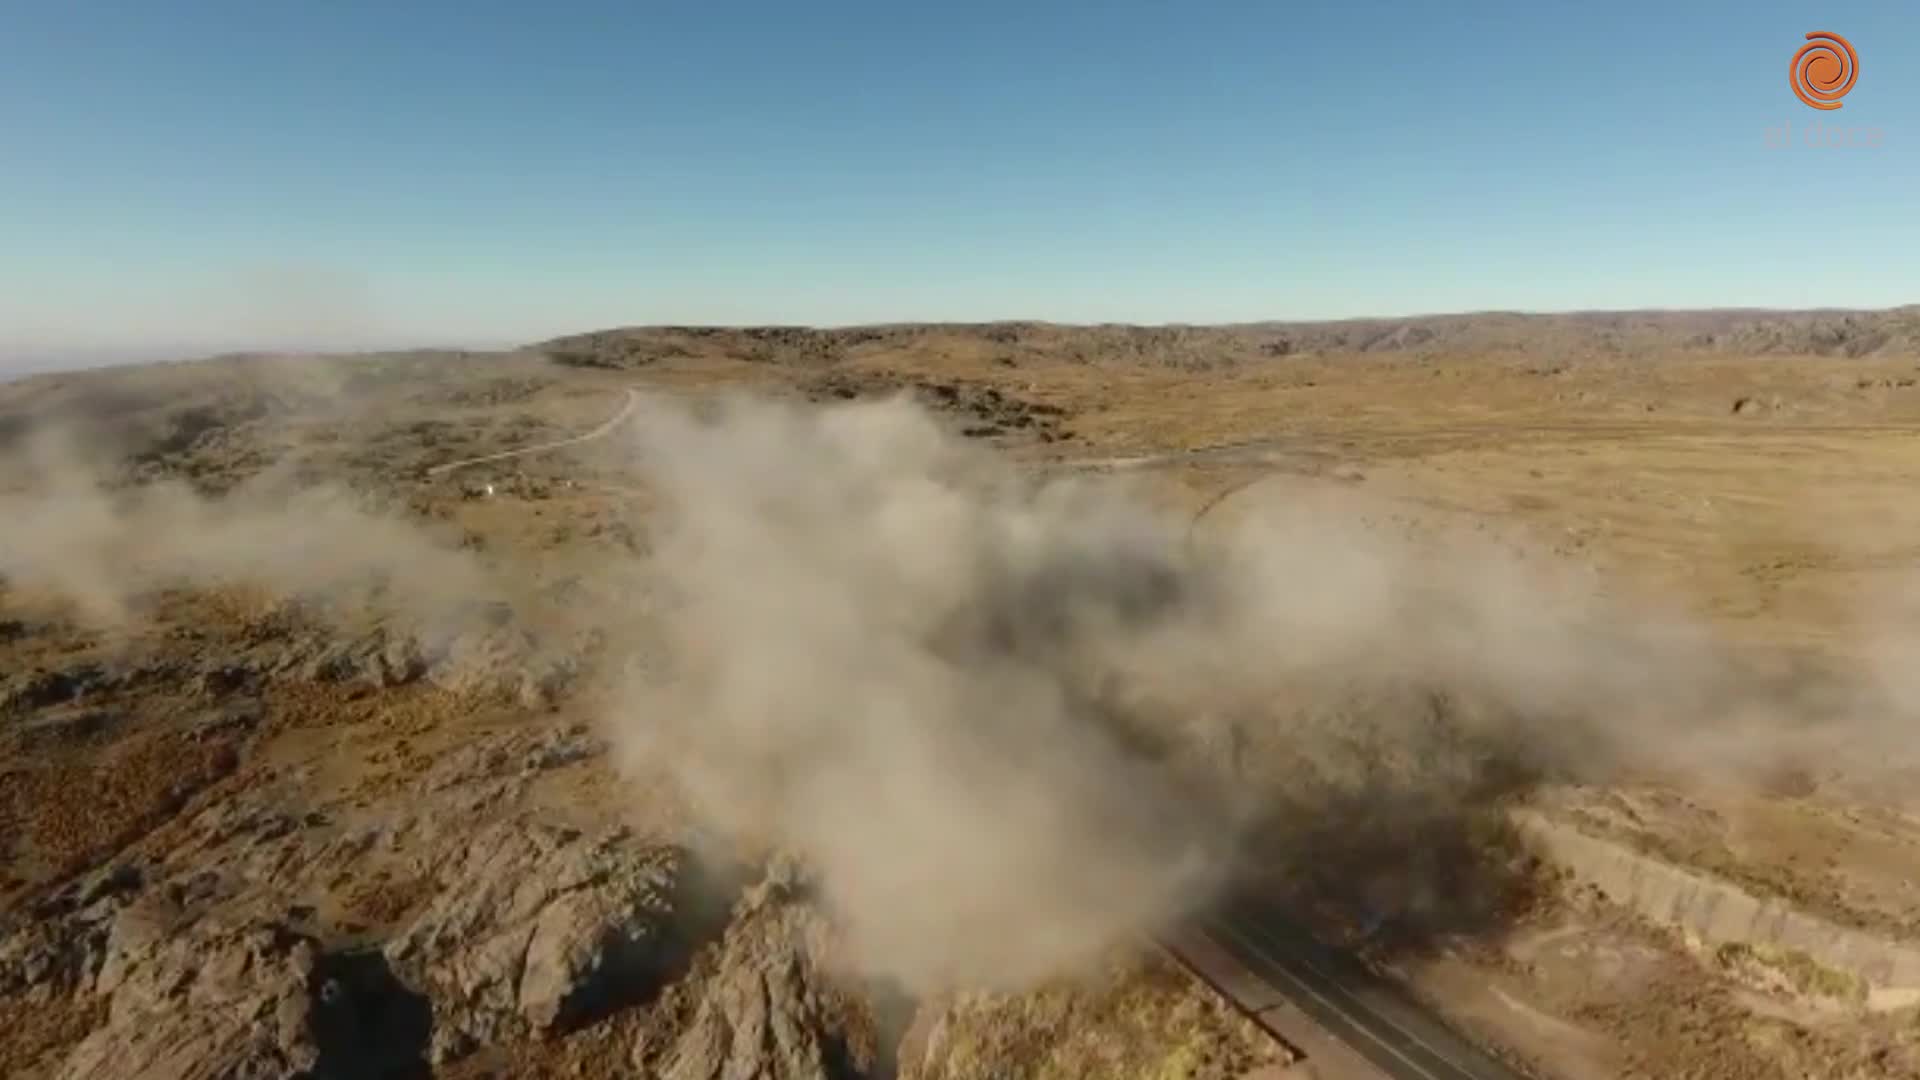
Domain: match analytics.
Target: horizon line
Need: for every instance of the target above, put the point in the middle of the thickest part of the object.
(80, 356)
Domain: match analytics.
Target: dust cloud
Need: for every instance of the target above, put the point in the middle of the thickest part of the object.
(1014, 721)
(1009, 721)
(885, 654)
(104, 546)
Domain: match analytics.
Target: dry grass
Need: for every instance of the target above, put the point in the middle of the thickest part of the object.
(1138, 1019)
(1791, 968)
(71, 815)
(37, 1031)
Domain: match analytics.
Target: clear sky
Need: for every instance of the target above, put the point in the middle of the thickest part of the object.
(345, 172)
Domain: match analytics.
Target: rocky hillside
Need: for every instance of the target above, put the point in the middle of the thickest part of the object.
(303, 768)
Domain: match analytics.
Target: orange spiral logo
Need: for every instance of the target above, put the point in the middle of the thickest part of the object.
(1824, 70)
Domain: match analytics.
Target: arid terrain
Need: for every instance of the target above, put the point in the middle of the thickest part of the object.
(862, 702)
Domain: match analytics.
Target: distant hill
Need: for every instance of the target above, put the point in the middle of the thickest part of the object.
(1743, 332)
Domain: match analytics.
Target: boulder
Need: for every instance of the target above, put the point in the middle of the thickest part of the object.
(763, 1007)
(191, 999)
(536, 928)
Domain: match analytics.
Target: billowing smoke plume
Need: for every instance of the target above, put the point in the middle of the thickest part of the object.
(888, 655)
(103, 548)
(1009, 722)
(331, 556)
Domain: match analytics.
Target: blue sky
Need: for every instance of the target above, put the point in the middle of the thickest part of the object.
(350, 173)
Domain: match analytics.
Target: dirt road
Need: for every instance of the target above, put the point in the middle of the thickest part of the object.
(613, 424)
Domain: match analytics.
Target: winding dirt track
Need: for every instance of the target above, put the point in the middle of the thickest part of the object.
(613, 424)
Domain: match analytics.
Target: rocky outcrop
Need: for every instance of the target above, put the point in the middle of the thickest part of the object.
(536, 928)
(533, 929)
(57, 948)
(761, 1005)
(239, 995)
(215, 997)
(377, 660)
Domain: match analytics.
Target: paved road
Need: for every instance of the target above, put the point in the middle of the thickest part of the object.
(1349, 1023)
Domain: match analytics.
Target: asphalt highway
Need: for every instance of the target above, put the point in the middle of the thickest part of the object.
(1350, 1023)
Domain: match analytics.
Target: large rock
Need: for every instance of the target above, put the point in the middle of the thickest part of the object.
(236, 995)
(57, 948)
(536, 928)
(213, 997)
(378, 660)
(763, 1008)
